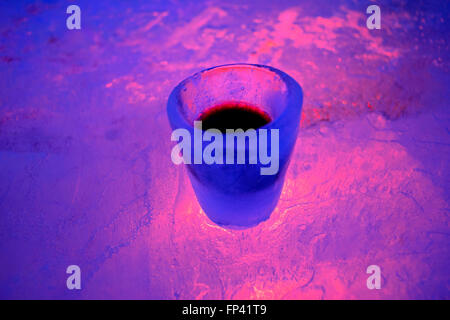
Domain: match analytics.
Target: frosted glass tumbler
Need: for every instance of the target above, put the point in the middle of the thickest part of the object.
(238, 195)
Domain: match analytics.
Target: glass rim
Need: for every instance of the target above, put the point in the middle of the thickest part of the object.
(293, 103)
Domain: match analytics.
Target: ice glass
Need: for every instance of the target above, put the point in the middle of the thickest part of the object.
(237, 195)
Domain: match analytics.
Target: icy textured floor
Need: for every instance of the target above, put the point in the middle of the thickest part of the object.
(86, 176)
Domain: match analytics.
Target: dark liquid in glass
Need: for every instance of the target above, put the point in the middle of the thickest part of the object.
(233, 116)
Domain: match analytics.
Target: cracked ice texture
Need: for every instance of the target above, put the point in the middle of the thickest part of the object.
(86, 176)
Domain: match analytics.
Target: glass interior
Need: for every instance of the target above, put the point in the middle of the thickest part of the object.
(257, 86)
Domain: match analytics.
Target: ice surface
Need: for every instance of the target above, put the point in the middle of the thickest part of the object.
(86, 176)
